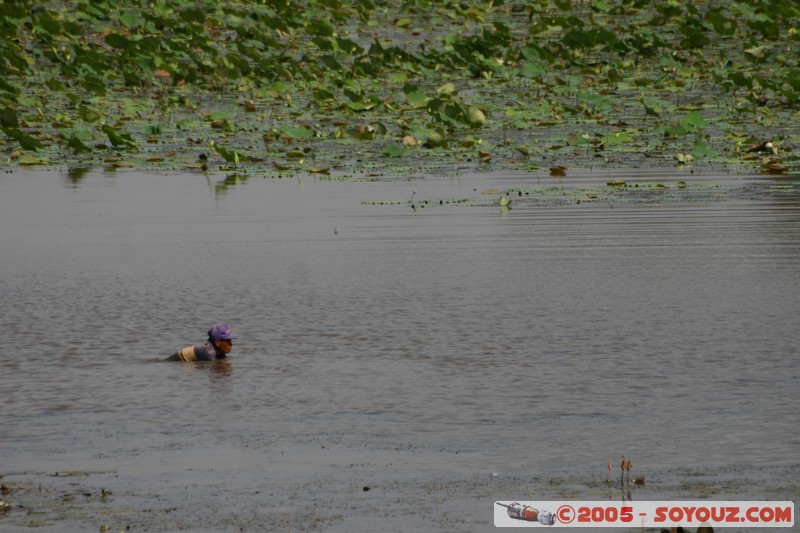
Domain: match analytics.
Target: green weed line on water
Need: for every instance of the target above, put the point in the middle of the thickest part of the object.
(615, 192)
(273, 88)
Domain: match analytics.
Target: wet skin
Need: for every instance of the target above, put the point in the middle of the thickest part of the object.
(223, 345)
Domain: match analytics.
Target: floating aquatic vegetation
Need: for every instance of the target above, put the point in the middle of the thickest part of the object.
(615, 191)
(543, 83)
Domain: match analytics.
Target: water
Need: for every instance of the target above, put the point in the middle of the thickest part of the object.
(440, 355)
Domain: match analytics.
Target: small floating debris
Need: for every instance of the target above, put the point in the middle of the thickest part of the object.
(763, 146)
(523, 149)
(436, 140)
(71, 473)
(220, 124)
(774, 168)
(616, 183)
(5, 507)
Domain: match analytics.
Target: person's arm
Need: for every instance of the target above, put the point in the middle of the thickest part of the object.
(184, 354)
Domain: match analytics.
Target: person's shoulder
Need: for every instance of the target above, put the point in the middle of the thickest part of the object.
(205, 352)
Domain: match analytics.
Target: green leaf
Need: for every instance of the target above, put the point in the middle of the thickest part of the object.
(115, 40)
(617, 138)
(89, 115)
(47, 24)
(162, 9)
(758, 53)
(600, 5)
(300, 132)
(323, 43)
(703, 149)
(532, 70)
(27, 142)
(8, 118)
(393, 151)
(77, 145)
(320, 28)
(131, 20)
(721, 24)
(196, 16)
(448, 89)
(231, 156)
(417, 99)
(650, 107)
(55, 85)
(694, 120)
(348, 46)
(119, 140)
(475, 117)
(674, 131)
(741, 79)
(436, 140)
(33, 160)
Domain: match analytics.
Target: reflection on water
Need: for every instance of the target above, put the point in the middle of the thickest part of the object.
(231, 181)
(76, 174)
(544, 332)
(218, 371)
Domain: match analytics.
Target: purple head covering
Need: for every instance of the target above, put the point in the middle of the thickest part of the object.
(221, 332)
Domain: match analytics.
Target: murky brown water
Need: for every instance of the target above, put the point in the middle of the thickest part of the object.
(443, 358)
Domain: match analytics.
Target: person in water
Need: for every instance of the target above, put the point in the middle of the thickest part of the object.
(218, 346)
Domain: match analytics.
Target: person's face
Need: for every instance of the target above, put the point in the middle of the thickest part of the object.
(224, 345)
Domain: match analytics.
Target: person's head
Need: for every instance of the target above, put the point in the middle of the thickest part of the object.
(221, 337)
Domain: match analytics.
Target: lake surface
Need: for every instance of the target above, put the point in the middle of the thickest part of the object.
(397, 369)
